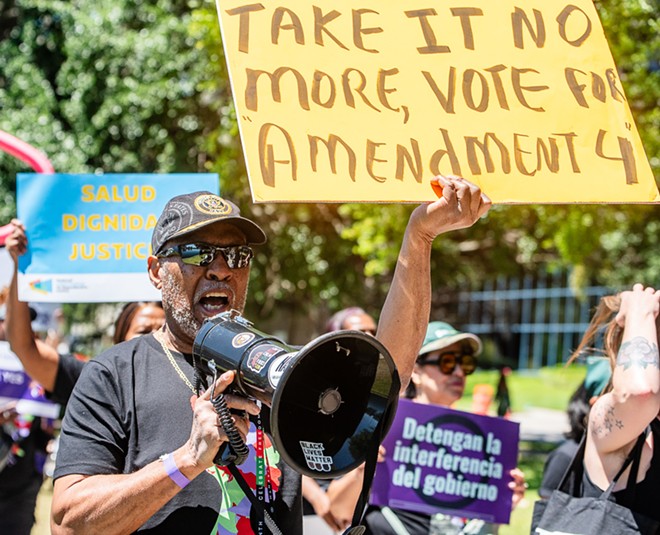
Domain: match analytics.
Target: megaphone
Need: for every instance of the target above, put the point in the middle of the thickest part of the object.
(327, 399)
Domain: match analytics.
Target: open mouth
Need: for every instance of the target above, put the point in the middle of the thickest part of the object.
(215, 302)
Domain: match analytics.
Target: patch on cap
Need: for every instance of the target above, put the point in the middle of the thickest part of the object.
(189, 212)
(212, 205)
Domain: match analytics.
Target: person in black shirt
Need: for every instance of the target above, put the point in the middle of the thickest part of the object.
(132, 405)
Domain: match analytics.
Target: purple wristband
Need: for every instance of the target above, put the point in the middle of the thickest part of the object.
(174, 473)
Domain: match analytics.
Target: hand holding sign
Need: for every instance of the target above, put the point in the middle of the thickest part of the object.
(460, 205)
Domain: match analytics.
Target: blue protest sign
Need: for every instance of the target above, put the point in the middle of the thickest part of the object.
(89, 235)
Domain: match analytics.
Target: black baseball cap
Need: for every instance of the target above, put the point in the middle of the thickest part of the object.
(184, 214)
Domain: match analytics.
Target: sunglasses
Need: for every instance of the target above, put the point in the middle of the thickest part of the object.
(202, 254)
(448, 361)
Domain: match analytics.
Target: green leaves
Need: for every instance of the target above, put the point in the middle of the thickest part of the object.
(117, 86)
(142, 86)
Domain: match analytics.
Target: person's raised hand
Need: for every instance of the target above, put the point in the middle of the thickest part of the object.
(207, 434)
(16, 242)
(461, 204)
(638, 303)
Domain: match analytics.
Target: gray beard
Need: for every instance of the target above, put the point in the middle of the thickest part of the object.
(177, 306)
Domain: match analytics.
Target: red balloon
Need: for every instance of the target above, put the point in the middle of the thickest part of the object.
(26, 153)
(5, 231)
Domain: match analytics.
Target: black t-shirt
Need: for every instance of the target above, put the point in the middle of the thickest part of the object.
(128, 408)
(555, 466)
(25, 467)
(645, 499)
(69, 369)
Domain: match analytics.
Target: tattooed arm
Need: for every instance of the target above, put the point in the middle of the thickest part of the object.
(618, 417)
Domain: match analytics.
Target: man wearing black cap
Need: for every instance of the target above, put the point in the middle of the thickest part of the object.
(137, 445)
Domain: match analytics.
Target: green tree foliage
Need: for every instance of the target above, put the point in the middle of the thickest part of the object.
(142, 86)
(105, 87)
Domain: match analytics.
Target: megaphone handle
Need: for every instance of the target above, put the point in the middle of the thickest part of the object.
(235, 450)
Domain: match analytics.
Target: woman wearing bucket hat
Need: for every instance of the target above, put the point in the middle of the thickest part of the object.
(446, 358)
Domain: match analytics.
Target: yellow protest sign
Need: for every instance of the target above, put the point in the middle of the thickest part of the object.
(366, 101)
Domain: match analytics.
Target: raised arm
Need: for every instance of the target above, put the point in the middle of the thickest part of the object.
(405, 313)
(620, 416)
(38, 358)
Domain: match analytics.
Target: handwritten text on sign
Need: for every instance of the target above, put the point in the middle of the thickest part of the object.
(440, 460)
(341, 101)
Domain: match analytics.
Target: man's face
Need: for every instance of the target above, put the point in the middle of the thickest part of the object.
(435, 387)
(192, 293)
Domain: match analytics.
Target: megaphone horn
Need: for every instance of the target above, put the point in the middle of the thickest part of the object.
(327, 398)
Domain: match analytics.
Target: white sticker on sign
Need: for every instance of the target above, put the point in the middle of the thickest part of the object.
(315, 458)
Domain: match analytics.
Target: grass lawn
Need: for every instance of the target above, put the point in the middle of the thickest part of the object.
(548, 388)
(521, 517)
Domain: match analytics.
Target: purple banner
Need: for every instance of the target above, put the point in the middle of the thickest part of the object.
(439, 460)
(16, 385)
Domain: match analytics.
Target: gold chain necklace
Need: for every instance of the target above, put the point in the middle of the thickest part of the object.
(158, 336)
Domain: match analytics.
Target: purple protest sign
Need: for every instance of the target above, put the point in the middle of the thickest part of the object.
(16, 385)
(439, 460)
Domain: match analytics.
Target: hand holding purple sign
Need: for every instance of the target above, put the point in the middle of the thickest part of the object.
(441, 460)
